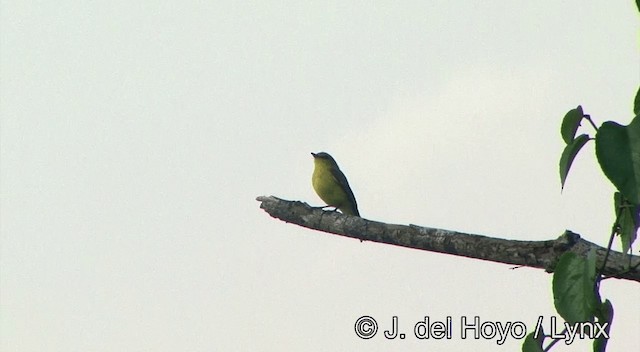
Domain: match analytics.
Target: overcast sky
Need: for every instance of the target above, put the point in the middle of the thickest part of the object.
(135, 137)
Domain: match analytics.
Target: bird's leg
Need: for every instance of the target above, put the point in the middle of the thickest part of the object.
(323, 207)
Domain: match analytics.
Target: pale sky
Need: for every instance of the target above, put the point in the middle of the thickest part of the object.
(135, 137)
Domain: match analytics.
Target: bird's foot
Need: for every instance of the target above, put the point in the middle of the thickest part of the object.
(323, 207)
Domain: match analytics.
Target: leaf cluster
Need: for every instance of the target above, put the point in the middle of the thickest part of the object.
(576, 279)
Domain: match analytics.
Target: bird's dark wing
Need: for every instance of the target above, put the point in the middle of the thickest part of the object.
(342, 180)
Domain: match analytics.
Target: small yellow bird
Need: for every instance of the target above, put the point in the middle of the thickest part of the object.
(331, 184)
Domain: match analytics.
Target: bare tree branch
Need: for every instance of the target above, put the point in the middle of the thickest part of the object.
(535, 254)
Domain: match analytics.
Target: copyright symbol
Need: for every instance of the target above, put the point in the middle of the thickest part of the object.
(366, 327)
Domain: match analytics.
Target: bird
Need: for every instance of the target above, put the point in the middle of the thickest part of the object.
(331, 185)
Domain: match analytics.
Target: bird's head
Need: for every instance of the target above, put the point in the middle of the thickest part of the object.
(324, 158)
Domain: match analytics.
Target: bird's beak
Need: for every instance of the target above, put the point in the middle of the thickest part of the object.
(314, 154)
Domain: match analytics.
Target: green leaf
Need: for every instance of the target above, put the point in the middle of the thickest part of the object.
(531, 344)
(570, 124)
(627, 222)
(590, 269)
(618, 152)
(574, 287)
(568, 154)
(636, 102)
(605, 316)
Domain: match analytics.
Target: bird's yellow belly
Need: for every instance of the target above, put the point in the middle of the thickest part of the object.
(328, 188)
